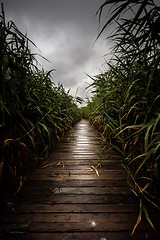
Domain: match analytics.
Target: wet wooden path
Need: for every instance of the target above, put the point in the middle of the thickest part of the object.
(79, 193)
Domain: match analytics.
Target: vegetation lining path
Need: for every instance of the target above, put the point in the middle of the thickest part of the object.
(79, 193)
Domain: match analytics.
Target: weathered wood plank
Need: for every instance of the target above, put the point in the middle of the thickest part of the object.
(45, 190)
(76, 208)
(81, 236)
(76, 183)
(74, 198)
(72, 177)
(83, 156)
(82, 171)
(88, 225)
(89, 218)
(80, 165)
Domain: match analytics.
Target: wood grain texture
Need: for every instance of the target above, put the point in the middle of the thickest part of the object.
(67, 199)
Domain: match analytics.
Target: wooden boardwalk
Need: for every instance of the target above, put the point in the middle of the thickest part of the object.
(65, 199)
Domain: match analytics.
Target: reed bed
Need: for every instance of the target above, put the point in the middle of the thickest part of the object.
(125, 106)
(34, 112)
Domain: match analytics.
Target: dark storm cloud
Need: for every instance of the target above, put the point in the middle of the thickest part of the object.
(64, 31)
(54, 11)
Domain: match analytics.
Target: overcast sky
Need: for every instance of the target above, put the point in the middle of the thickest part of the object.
(65, 32)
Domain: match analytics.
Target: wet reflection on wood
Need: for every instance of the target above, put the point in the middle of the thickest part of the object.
(80, 192)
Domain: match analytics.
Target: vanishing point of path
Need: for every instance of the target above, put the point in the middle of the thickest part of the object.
(80, 192)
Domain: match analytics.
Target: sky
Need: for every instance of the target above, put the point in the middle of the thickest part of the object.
(65, 32)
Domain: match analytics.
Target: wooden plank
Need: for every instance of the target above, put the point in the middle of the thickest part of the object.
(107, 164)
(45, 190)
(76, 183)
(89, 218)
(74, 198)
(75, 208)
(84, 156)
(73, 177)
(88, 225)
(81, 236)
(82, 171)
(69, 165)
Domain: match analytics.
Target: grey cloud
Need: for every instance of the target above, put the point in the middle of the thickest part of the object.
(54, 10)
(64, 31)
